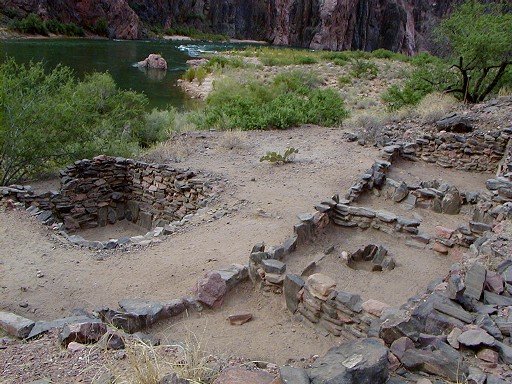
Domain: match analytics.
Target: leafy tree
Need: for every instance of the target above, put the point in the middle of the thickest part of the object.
(49, 118)
(479, 39)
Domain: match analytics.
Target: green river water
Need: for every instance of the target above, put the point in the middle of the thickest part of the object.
(118, 58)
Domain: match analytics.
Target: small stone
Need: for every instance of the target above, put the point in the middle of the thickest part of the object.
(475, 337)
(320, 283)
(211, 290)
(452, 337)
(494, 282)
(488, 355)
(401, 345)
(75, 347)
(440, 248)
(273, 266)
(443, 232)
(240, 318)
(375, 307)
(15, 325)
(39, 274)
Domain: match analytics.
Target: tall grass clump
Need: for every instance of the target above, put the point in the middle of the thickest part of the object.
(290, 99)
(270, 56)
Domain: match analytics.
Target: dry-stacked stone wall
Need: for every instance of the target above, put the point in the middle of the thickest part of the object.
(105, 190)
(475, 151)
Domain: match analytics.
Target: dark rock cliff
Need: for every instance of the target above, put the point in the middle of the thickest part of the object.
(397, 25)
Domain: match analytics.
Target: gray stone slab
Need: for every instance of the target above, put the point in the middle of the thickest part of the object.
(41, 327)
(15, 325)
(475, 279)
(292, 375)
(493, 298)
(273, 266)
(291, 287)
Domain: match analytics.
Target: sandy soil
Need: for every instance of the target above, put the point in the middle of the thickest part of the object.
(260, 203)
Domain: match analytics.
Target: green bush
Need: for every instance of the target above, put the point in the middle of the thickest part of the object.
(157, 126)
(430, 75)
(100, 27)
(49, 118)
(289, 100)
(389, 55)
(31, 24)
(201, 74)
(333, 55)
(364, 69)
(342, 80)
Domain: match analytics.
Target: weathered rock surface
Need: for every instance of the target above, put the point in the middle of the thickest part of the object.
(363, 361)
(211, 290)
(15, 325)
(153, 61)
(397, 25)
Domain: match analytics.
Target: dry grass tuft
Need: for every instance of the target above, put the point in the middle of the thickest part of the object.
(505, 91)
(434, 106)
(143, 363)
(369, 125)
(233, 139)
(176, 149)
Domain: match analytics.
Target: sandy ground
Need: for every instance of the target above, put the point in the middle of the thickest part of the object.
(260, 203)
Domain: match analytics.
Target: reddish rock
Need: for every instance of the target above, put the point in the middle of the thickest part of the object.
(443, 232)
(440, 248)
(75, 347)
(393, 361)
(240, 318)
(211, 290)
(84, 333)
(494, 282)
(243, 376)
(488, 355)
(401, 345)
(153, 61)
(375, 307)
(320, 284)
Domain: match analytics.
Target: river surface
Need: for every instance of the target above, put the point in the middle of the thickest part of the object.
(118, 58)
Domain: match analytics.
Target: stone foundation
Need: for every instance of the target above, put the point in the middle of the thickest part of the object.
(105, 190)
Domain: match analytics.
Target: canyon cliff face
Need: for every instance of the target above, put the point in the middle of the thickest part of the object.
(397, 25)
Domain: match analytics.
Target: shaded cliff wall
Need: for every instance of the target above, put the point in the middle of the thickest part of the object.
(397, 25)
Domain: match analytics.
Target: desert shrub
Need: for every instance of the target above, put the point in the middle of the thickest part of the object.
(364, 69)
(49, 118)
(389, 55)
(340, 62)
(361, 55)
(271, 56)
(189, 75)
(233, 139)
(344, 80)
(434, 106)
(31, 24)
(217, 61)
(291, 99)
(370, 127)
(157, 126)
(431, 74)
(100, 27)
(201, 74)
(332, 56)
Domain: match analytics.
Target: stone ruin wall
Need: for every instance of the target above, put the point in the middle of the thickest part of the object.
(340, 313)
(105, 190)
(475, 151)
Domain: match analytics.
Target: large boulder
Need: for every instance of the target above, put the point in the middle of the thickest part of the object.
(153, 61)
(364, 361)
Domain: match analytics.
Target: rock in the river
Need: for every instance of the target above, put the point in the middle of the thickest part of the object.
(153, 61)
